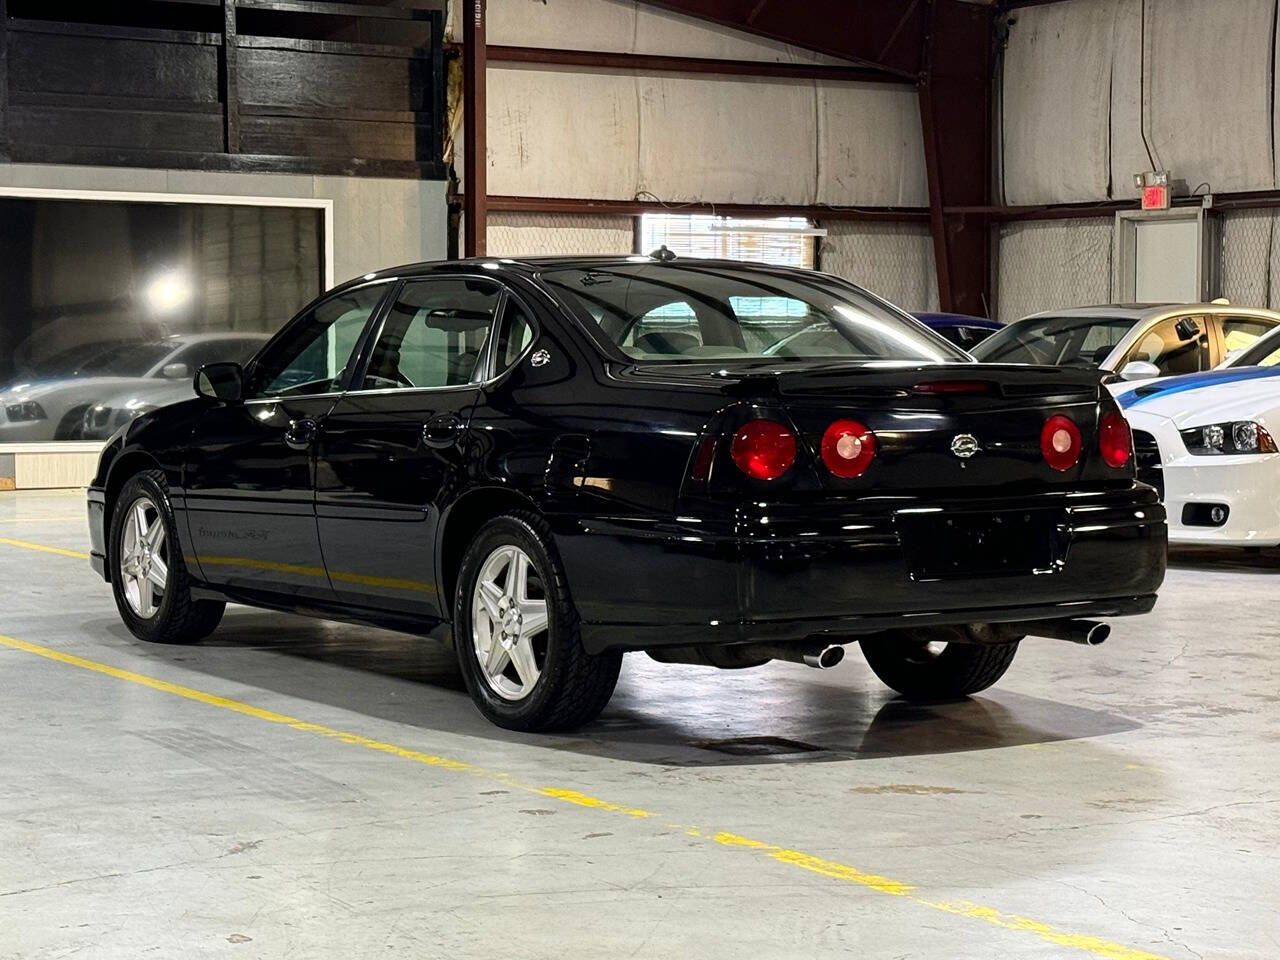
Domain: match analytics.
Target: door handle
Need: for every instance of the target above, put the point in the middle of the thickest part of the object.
(442, 431)
(301, 434)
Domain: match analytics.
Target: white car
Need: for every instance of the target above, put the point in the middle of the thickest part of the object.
(1208, 443)
(152, 374)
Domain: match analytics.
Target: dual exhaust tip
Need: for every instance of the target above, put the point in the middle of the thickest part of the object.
(824, 656)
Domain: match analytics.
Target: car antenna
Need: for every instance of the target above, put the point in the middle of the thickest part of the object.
(662, 254)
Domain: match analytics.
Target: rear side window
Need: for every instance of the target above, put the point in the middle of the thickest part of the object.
(1057, 341)
(1239, 333)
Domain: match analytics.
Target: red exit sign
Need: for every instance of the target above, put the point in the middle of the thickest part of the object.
(1155, 197)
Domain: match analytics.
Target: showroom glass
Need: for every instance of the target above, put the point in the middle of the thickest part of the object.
(1165, 348)
(654, 312)
(434, 335)
(1057, 341)
(314, 351)
(97, 292)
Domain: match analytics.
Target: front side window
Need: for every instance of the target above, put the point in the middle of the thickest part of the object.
(690, 312)
(313, 354)
(434, 335)
(1056, 341)
(1174, 346)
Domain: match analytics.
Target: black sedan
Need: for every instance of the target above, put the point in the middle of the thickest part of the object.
(557, 461)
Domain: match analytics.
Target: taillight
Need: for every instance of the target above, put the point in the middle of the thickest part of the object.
(848, 448)
(763, 449)
(1114, 439)
(1060, 442)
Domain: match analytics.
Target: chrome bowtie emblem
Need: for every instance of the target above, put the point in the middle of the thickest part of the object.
(965, 445)
(540, 358)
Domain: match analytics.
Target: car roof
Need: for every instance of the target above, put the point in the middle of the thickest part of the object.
(531, 266)
(1147, 311)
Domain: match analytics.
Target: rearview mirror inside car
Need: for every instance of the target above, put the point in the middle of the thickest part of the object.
(221, 381)
(1139, 370)
(1187, 329)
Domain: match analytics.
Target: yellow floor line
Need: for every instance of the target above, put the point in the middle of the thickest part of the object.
(28, 545)
(1094, 946)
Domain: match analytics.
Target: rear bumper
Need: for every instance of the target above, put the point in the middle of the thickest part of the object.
(97, 506)
(841, 570)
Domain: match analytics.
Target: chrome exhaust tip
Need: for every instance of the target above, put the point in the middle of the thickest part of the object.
(824, 659)
(1089, 633)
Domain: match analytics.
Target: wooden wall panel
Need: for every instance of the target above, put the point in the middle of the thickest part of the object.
(284, 86)
(116, 67)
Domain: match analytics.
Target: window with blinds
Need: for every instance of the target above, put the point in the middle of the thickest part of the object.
(777, 240)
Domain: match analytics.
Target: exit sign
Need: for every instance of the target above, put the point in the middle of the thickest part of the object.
(1155, 197)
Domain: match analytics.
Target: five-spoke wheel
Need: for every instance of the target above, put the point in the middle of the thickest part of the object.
(516, 631)
(509, 622)
(144, 557)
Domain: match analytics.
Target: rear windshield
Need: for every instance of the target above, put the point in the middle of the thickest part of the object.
(1056, 341)
(691, 312)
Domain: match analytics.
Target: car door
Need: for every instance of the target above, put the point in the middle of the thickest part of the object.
(399, 440)
(250, 475)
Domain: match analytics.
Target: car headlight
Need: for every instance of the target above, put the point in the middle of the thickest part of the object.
(20, 412)
(1240, 436)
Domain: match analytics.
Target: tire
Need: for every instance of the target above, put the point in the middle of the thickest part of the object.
(919, 670)
(170, 614)
(569, 687)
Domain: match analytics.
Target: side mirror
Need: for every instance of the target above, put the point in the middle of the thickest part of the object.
(175, 371)
(1187, 329)
(220, 381)
(1139, 370)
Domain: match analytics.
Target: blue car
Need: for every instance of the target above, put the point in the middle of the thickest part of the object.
(964, 331)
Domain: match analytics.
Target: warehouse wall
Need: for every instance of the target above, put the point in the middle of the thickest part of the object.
(621, 135)
(1073, 97)
(1074, 103)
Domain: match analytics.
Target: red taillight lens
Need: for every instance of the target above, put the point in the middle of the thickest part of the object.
(1060, 442)
(848, 448)
(763, 449)
(1114, 439)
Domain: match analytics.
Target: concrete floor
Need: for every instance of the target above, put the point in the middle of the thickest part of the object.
(301, 789)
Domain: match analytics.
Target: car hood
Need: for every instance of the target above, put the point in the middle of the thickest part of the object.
(69, 389)
(1216, 396)
(145, 393)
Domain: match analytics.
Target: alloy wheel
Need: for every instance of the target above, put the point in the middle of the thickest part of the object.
(509, 622)
(144, 558)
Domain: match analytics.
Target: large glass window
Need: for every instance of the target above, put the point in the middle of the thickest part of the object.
(312, 355)
(690, 312)
(434, 335)
(98, 299)
(784, 241)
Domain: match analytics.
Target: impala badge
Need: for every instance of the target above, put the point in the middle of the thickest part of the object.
(964, 445)
(540, 358)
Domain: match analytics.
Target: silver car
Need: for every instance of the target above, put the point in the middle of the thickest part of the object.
(111, 388)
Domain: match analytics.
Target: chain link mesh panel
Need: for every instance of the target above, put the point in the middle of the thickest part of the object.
(892, 260)
(567, 234)
(1048, 264)
(1245, 257)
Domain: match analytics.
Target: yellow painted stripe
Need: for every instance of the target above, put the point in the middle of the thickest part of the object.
(27, 545)
(1094, 946)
